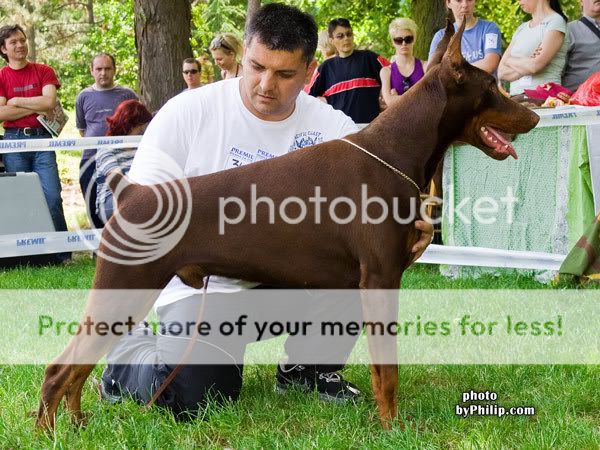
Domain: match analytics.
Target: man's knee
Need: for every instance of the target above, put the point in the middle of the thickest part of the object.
(196, 386)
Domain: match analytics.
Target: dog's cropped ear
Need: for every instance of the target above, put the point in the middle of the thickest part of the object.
(453, 59)
(436, 58)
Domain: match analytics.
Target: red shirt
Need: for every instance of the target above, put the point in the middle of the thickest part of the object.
(25, 82)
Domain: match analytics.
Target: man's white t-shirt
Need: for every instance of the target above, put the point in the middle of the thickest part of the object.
(209, 129)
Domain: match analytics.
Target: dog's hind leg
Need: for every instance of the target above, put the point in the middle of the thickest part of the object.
(380, 315)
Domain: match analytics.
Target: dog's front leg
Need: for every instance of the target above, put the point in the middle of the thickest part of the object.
(66, 376)
(380, 314)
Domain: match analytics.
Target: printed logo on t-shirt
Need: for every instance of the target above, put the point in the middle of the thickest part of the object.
(19, 89)
(473, 56)
(263, 154)
(306, 139)
(491, 40)
(238, 158)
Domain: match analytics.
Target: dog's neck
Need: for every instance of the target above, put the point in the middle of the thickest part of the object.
(414, 132)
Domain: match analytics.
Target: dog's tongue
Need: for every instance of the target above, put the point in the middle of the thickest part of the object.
(502, 145)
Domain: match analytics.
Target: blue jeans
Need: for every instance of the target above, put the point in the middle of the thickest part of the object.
(44, 164)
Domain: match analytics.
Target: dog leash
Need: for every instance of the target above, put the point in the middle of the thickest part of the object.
(185, 355)
(386, 164)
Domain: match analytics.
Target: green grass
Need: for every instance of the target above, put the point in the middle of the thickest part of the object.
(566, 398)
(420, 276)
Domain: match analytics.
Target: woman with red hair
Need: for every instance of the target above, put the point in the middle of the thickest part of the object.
(130, 118)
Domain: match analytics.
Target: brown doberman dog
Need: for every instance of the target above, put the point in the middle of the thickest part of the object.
(398, 154)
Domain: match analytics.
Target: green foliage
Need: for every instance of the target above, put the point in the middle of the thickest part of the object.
(214, 16)
(369, 19)
(225, 16)
(112, 33)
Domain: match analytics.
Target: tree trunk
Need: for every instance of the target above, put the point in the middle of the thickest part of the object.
(430, 16)
(162, 39)
(253, 5)
(90, 11)
(30, 32)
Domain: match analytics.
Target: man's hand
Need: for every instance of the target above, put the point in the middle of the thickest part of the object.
(13, 101)
(49, 114)
(425, 239)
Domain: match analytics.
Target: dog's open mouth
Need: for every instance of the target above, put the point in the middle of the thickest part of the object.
(498, 141)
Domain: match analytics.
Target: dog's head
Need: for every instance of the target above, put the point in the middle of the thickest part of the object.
(483, 116)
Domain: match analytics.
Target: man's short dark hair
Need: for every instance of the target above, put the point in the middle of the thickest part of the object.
(339, 22)
(5, 32)
(99, 55)
(192, 61)
(283, 27)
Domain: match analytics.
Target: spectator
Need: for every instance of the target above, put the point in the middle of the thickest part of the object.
(28, 89)
(270, 115)
(406, 70)
(226, 50)
(350, 81)
(130, 118)
(481, 43)
(327, 50)
(191, 71)
(92, 106)
(207, 72)
(583, 51)
(325, 46)
(538, 50)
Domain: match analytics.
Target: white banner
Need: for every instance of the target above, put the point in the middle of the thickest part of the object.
(52, 145)
(568, 115)
(69, 241)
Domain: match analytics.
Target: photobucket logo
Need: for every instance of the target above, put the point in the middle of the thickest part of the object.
(343, 210)
(130, 242)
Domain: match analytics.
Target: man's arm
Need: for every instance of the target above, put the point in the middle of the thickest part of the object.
(44, 102)
(80, 122)
(9, 113)
(425, 239)
(317, 85)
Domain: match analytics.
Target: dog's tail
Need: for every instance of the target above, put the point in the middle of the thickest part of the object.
(115, 178)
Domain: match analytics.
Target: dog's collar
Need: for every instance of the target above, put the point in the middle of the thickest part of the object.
(386, 164)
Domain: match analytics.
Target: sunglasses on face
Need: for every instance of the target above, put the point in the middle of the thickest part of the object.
(341, 36)
(401, 40)
(192, 71)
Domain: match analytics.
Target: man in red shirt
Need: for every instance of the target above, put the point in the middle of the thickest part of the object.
(26, 90)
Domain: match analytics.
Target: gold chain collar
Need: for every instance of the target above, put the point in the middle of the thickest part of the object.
(389, 166)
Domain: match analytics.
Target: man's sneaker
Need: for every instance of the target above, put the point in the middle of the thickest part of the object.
(333, 388)
(330, 386)
(109, 389)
